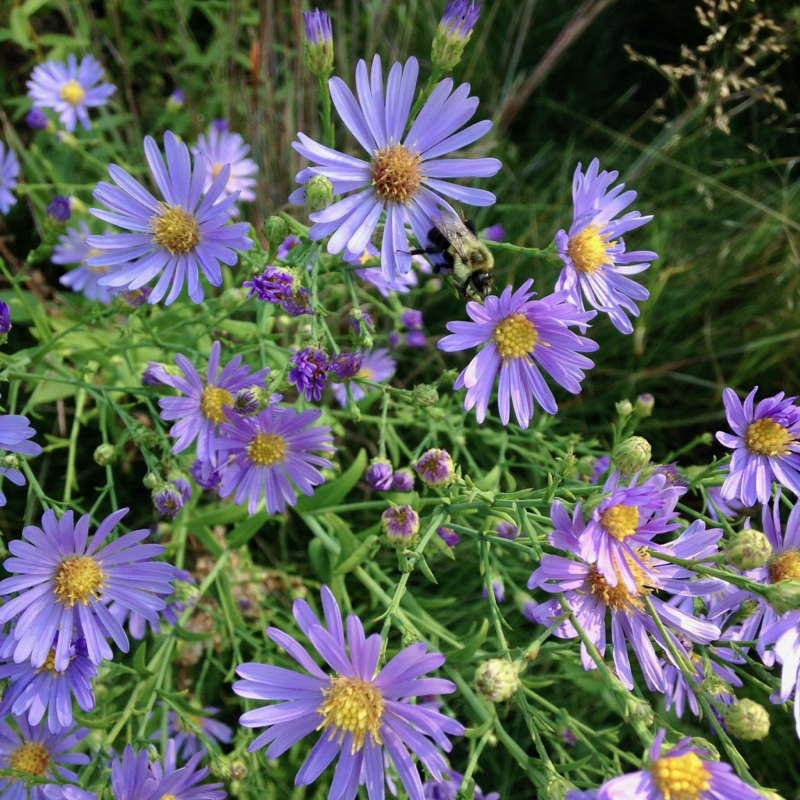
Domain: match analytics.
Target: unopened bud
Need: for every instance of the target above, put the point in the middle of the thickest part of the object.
(435, 468)
(556, 788)
(783, 596)
(151, 480)
(636, 709)
(145, 438)
(496, 680)
(275, 230)
(105, 454)
(409, 638)
(747, 720)
(632, 455)
(379, 475)
(319, 193)
(532, 653)
(748, 549)
(9, 462)
(237, 771)
(453, 33)
(425, 395)
(624, 408)
(644, 405)
(401, 526)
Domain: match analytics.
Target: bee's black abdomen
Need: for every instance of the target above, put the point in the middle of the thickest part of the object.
(470, 227)
(437, 239)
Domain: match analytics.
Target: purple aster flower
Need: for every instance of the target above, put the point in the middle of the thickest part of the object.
(400, 525)
(276, 285)
(459, 18)
(376, 365)
(59, 209)
(155, 374)
(171, 238)
(309, 372)
(415, 339)
(626, 520)
(494, 233)
(206, 479)
(716, 506)
(62, 583)
(15, 431)
(318, 28)
(394, 340)
(185, 783)
(247, 403)
(5, 319)
(601, 465)
(676, 773)
(403, 175)
(202, 407)
(36, 692)
(136, 298)
(34, 750)
(70, 89)
(591, 597)
(498, 590)
(219, 125)
(221, 148)
(766, 445)
(262, 454)
(435, 468)
(345, 366)
(596, 264)
(520, 333)
(402, 283)
(505, 530)
(379, 475)
(673, 476)
(448, 535)
(171, 498)
(364, 713)
(176, 99)
(411, 319)
(74, 249)
(36, 119)
(784, 636)
(182, 731)
(447, 788)
(402, 480)
(9, 169)
(288, 244)
(679, 690)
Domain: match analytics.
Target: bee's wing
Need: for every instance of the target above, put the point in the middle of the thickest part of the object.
(454, 230)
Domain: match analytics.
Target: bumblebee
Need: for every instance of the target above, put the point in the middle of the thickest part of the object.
(461, 254)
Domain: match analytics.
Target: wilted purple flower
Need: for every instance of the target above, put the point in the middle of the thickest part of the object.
(70, 89)
(309, 372)
(403, 480)
(448, 535)
(411, 319)
(172, 497)
(498, 590)
(459, 18)
(596, 264)
(403, 175)
(205, 479)
(36, 119)
(60, 576)
(34, 751)
(9, 170)
(262, 454)
(415, 339)
(376, 365)
(202, 407)
(506, 530)
(766, 445)
(219, 148)
(379, 475)
(318, 27)
(34, 692)
(680, 774)
(364, 713)
(175, 238)
(59, 209)
(400, 525)
(286, 245)
(518, 334)
(435, 467)
(494, 233)
(278, 286)
(346, 366)
(247, 403)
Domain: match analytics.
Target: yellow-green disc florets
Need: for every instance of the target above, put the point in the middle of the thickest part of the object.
(681, 777)
(78, 579)
(353, 706)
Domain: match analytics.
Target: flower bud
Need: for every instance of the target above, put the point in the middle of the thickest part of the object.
(644, 405)
(409, 638)
(747, 720)
(624, 409)
(275, 230)
(105, 454)
(748, 549)
(783, 596)
(425, 395)
(36, 119)
(455, 30)
(9, 462)
(237, 771)
(319, 43)
(5, 322)
(401, 526)
(496, 680)
(632, 455)
(402, 481)
(151, 480)
(59, 209)
(435, 468)
(319, 193)
(556, 788)
(637, 709)
(379, 475)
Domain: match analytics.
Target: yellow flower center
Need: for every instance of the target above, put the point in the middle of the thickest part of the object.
(352, 706)
(78, 579)
(588, 248)
(216, 169)
(365, 257)
(785, 566)
(49, 664)
(620, 521)
(175, 229)
(214, 399)
(72, 92)
(619, 598)
(364, 372)
(681, 777)
(167, 797)
(91, 254)
(765, 437)
(396, 173)
(515, 336)
(267, 449)
(32, 758)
